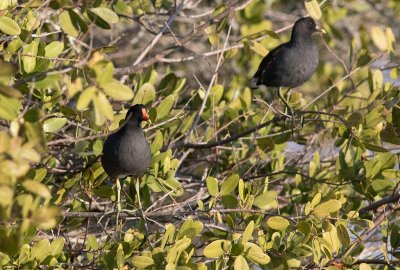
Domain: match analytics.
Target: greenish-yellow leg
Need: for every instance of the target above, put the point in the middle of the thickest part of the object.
(290, 110)
(137, 188)
(118, 185)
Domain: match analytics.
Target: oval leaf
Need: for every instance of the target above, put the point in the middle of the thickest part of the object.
(240, 263)
(278, 223)
(165, 106)
(106, 14)
(9, 26)
(142, 262)
(324, 209)
(54, 49)
(212, 186)
(85, 98)
(145, 95)
(217, 248)
(118, 91)
(52, 125)
(36, 188)
(313, 9)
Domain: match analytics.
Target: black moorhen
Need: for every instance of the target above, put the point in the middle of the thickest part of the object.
(126, 152)
(290, 64)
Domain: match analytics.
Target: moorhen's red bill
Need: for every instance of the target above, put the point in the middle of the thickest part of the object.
(290, 64)
(127, 152)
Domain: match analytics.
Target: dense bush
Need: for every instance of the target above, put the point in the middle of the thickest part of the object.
(232, 184)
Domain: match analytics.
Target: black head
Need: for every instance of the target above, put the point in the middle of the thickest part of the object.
(305, 27)
(137, 113)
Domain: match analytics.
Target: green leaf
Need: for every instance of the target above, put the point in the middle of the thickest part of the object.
(9, 26)
(266, 200)
(9, 107)
(36, 188)
(229, 184)
(379, 38)
(316, 200)
(165, 107)
(313, 9)
(41, 250)
(248, 232)
(324, 209)
(364, 266)
(355, 119)
(102, 103)
(142, 262)
(240, 263)
(157, 142)
(258, 48)
(85, 98)
(256, 254)
(120, 258)
(65, 21)
(145, 95)
(190, 229)
(57, 246)
(343, 235)
(106, 14)
(54, 49)
(30, 61)
(53, 125)
(278, 223)
(217, 248)
(118, 91)
(212, 186)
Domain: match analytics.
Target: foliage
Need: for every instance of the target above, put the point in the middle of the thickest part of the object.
(232, 184)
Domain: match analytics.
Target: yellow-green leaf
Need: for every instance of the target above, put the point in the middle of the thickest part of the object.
(30, 61)
(256, 254)
(142, 262)
(9, 26)
(379, 38)
(217, 248)
(104, 105)
(54, 49)
(278, 223)
(324, 209)
(258, 48)
(212, 186)
(248, 232)
(313, 9)
(52, 125)
(85, 98)
(165, 107)
(36, 188)
(240, 263)
(66, 24)
(145, 95)
(106, 14)
(229, 184)
(118, 91)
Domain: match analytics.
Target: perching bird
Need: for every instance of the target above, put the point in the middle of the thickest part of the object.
(290, 64)
(127, 152)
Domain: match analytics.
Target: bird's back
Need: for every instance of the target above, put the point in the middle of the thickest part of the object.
(126, 153)
(288, 65)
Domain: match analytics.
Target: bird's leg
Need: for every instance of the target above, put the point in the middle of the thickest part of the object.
(290, 110)
(118, 186)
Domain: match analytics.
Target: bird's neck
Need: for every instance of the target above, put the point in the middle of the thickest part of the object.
(132, 125)
(302, 39)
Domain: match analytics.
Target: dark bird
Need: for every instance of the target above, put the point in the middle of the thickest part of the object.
(126, 152)
(290, 64)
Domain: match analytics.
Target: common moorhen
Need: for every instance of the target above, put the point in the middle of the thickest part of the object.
(290, 64)
(126, 152)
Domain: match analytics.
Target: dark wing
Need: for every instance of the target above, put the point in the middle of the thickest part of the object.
(268, 61)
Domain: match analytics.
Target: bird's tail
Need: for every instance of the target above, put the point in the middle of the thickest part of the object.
(255, 82)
